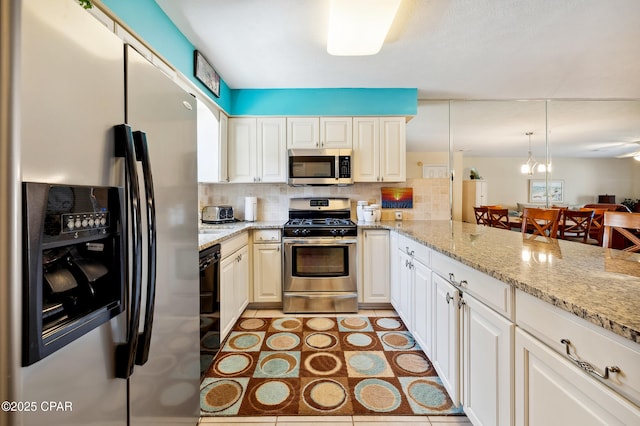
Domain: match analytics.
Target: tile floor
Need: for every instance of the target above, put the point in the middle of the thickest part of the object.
(334, 420)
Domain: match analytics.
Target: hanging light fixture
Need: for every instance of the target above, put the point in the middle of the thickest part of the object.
(528, 167)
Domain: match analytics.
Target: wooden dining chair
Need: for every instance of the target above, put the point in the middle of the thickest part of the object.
(543, 222)
(597, 227)
(499, 218)
(625, 224)
(482, 215)
(576, 224)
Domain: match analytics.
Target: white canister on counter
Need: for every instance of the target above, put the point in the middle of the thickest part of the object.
(250, 209)
(360, 210)
(369, 214)
(378, 210)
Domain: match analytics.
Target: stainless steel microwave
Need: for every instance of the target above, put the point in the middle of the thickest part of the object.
(320, 167)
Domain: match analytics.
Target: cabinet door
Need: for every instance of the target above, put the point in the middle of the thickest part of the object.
(242, 150)
(446, 335)
(550, 390)
(227, 296)
(267, 273)
(336, 132)
(223, 163)
(366, 149)
(303, 132)
(375, 255)
(422, 306)
(209, 159)
(393, 151)
(272, 150)
(487, 363)
(394, 266)
(241, 281)
(406, 290)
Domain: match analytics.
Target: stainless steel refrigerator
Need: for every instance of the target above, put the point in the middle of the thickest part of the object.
(71, 92)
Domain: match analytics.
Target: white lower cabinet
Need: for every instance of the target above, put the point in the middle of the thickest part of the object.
(486, 348)
(422, 302)
(234, 282)
(375, 266)
(394, 270)
(267, 266)
(551, 390)
(446, 335)
(405, 291)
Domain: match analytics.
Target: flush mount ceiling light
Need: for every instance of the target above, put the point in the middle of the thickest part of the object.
(359, 27)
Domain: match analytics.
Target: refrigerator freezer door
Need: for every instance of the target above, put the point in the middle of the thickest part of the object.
(167, 385)
(72, 92)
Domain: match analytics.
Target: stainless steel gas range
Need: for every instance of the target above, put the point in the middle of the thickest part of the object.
(319, 246)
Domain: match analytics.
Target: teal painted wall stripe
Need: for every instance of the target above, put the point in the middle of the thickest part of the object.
(324, 101)
(150, 22)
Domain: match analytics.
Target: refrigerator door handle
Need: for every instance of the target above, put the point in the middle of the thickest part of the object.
(126, 352)
(142, 154)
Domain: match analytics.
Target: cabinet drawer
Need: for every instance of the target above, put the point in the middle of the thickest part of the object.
(228, 247)
(494, 293)
(589, 343)
(266, 235)
(418, 251)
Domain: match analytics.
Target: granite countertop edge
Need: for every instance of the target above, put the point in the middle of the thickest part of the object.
(615, 310)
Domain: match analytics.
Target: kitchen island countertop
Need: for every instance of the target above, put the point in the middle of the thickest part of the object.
(599, 285)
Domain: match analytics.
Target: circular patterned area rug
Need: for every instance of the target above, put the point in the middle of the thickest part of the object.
(349, 365)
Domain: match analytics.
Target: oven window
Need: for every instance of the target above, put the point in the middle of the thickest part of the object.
(310, 167)
(320, 261)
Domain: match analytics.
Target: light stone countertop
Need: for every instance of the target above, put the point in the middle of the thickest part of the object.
(599, 285)
(209, 235)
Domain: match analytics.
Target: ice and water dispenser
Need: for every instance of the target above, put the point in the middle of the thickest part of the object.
(74, 265)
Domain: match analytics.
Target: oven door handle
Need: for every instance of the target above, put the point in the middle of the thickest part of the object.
(319, 241)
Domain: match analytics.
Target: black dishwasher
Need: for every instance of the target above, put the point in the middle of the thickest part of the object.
(209, 305)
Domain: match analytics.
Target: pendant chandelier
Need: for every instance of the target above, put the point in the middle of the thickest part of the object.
(528, 167)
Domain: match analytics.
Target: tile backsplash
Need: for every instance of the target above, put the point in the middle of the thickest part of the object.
(430, 198)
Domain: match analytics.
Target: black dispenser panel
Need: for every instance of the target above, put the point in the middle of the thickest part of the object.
(74, 265)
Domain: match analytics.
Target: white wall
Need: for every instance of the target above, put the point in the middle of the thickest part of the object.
(584, 179)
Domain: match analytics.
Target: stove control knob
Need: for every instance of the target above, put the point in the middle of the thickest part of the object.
(295, 231)
(334, 232)
(343, 232)
(305, 231)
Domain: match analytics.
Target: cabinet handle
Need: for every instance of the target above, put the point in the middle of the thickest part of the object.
(452, 277)
(463, 283)
(449, 298)
(461, 303)
(586, 366)
(409, 252)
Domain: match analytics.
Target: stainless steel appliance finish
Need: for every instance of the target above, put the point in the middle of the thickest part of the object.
(217, 214)
(309, 167)
(64, 133)
(319, 262)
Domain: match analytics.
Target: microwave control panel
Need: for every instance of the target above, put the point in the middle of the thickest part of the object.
(345, 166)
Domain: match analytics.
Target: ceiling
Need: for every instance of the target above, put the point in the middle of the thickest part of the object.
(447, 49)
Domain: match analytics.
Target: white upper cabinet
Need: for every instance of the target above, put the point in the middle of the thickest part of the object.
(212, 145)
(257, 150)
(319, 132)
(379, 149)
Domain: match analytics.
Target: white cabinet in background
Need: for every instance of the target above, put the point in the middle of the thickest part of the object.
(474, 194)
(212, 145)
(394, 270)
(319, 132)
(267, 266)
(257, 150)
(234, 281)
(375, 266)
(379, 149)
